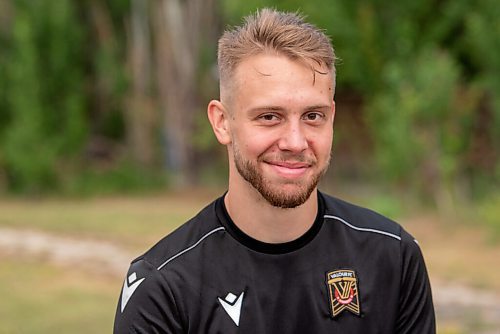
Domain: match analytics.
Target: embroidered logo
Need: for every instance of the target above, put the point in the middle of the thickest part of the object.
(343, 291)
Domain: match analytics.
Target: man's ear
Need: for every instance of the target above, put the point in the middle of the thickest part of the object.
(217, 115)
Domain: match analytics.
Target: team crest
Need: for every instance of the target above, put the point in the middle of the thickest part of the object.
(343, 291)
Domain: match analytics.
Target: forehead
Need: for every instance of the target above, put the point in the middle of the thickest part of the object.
(272, 64)
(273, 78)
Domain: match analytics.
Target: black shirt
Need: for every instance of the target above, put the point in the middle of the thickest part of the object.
(353, 271)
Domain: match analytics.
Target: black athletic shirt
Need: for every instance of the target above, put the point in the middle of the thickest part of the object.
(354, 271)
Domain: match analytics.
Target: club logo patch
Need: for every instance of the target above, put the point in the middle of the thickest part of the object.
(343, 291)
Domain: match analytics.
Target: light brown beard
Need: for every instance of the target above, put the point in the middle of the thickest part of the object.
(275, 197)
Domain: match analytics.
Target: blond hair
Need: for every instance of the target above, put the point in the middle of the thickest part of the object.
(271, 30)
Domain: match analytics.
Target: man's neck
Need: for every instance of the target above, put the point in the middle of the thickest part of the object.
(252, 214)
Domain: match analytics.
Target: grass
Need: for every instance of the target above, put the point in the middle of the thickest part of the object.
(456, 251)
(117, 219)
(489, 213)
(40, 298)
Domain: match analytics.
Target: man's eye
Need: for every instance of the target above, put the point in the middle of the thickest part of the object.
(269, 117)
(313, 116)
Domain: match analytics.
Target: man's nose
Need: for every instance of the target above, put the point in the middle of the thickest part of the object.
(293, 138)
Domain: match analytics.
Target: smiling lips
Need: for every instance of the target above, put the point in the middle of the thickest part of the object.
(289, 169)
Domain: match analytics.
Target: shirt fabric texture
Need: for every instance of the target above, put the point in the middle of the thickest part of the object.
(192, 279)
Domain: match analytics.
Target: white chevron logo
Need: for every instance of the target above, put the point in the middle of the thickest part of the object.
(129, 287)
(232, 306)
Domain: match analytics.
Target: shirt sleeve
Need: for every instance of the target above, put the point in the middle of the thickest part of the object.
(416, 310)
(146, 303)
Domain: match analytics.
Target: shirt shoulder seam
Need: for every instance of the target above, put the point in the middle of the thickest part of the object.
(363, 229)
(187, 249)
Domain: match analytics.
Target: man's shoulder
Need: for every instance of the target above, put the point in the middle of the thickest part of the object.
(360, 219)
(186, 237)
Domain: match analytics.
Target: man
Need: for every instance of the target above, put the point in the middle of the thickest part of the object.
(275, 255)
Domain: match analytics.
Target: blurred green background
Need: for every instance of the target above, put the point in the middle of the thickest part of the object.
(103, 133)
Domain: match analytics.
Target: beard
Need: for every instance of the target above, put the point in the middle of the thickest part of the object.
(273, 192)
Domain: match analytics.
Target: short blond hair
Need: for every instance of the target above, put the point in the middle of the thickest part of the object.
(271, 30)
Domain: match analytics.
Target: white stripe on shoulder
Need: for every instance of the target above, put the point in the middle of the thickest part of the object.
(191, 247)
(363, 229)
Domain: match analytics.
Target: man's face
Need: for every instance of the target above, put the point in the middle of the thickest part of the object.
(281, 126)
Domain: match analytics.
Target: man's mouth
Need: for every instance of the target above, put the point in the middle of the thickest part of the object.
(289, 168)
(291, 164)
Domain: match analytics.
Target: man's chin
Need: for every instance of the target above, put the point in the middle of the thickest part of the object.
(287, 197)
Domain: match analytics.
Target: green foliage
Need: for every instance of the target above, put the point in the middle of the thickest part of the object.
(24, 160)
(482, 43)
(123, 178)
(43, 93)
(414, 114)
(425, 74)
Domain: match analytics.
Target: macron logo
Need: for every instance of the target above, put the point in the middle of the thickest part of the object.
(232, 306)
(129, 286)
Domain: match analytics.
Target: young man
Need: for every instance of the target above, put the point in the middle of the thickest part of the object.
(275, 255)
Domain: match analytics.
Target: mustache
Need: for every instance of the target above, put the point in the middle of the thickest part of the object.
(288, 157)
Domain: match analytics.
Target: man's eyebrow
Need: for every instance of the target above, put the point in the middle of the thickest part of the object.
(278, 108)
(266, 108)
(318, 107)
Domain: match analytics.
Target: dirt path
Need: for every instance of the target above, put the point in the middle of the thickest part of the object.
(90, 255)
(459, 308)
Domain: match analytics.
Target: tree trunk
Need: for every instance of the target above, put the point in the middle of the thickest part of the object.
(105, 39)
(140, 109)
(181, 26)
